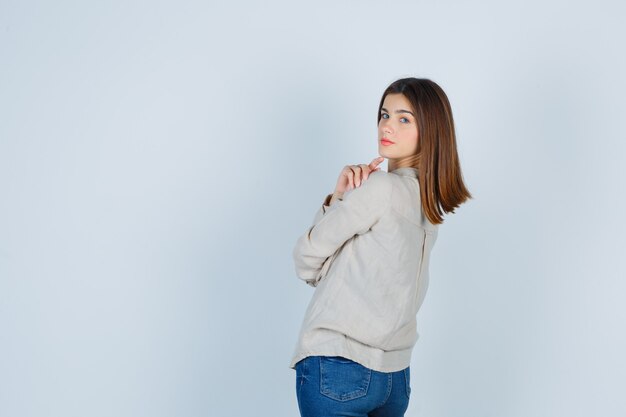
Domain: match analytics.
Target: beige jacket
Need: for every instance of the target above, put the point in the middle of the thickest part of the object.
(367, 257)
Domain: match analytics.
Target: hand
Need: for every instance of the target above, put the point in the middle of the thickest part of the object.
(354, 175)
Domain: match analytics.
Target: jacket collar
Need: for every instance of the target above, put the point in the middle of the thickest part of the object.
(405, 172)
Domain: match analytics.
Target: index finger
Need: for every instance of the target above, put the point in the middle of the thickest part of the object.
(376, 161)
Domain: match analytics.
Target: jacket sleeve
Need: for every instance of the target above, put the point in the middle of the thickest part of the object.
(355, 214)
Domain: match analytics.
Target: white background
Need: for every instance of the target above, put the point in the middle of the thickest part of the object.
(159, 159)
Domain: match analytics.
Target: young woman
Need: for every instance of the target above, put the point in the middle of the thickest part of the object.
(367, 254)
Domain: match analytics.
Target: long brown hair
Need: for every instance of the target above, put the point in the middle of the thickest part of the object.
(439, 171)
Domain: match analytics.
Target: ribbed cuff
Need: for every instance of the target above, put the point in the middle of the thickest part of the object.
(326, 203)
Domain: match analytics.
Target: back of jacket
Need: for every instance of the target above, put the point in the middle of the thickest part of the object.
(367, 256)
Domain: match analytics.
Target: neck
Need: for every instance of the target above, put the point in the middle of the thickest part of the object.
(410, 162)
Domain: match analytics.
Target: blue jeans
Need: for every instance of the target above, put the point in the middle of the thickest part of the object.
(329, 386)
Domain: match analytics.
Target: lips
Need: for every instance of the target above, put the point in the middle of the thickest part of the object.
(385, 140)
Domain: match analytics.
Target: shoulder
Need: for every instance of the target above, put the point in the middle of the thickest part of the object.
(381, 179)
(378, 185)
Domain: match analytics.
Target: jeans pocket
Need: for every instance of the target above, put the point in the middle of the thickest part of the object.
(407, 380)
(343, 379)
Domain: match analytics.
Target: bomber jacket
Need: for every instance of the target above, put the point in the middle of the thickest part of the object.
(367, 257)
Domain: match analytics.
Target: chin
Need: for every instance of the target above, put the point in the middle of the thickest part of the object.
(382, 151)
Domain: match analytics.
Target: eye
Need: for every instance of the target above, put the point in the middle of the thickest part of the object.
(402, 118)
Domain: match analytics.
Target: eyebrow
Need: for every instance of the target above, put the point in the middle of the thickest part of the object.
(399, 111)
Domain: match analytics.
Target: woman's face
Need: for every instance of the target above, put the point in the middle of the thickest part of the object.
(398, 124)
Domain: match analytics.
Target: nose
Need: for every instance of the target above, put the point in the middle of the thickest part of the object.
(386, 126)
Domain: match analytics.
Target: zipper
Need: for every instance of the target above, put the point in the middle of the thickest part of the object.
(419, 268)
